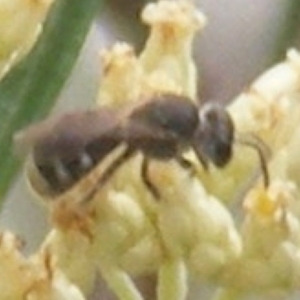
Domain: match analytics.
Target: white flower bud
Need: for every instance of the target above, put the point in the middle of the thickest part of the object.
(20, 25)
(271, 239)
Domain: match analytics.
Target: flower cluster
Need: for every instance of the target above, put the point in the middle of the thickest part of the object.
(191, 231)
(20, 25)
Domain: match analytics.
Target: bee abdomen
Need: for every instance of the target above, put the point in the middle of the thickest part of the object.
(60, 175)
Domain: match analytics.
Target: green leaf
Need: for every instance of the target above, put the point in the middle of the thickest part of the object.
(28, 92)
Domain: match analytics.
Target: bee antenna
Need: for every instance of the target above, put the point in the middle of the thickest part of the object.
(262, 149)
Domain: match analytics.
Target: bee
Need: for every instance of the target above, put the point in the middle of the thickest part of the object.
(66, 148)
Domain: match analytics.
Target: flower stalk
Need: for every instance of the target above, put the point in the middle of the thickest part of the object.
(124, 232)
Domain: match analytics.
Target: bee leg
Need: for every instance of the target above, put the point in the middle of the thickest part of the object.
(202, 159)
(146, 180)
(108, 173)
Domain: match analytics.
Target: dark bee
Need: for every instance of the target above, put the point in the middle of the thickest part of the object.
(65, 149)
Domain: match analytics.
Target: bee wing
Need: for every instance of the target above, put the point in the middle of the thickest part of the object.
(24, 139)
(66, 134)
(66, 148)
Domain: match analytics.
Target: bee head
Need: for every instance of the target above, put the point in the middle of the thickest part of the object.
(213, 138)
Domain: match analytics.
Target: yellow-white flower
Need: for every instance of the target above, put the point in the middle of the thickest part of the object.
(124, 232)
(20, 25)
(271, 242)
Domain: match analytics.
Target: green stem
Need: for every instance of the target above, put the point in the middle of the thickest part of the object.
(120, 283)
(172, 280)
(28, 92)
